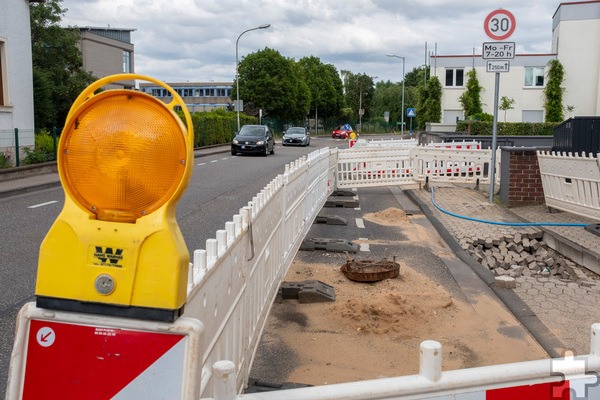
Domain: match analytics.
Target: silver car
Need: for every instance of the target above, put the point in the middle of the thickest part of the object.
(296, 136)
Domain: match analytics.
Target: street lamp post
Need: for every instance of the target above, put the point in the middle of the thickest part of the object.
(237, 81)
(393, 55)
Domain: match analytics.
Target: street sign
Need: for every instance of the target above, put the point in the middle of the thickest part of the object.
(410, 112)
(499, 24)
(498, 50)
(498, 66)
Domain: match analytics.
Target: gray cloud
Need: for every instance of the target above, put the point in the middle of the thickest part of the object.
(193, 40)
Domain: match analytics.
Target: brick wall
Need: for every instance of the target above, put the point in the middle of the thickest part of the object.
(524, 179)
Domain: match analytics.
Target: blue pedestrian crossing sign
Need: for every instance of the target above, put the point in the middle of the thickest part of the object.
(410, 112)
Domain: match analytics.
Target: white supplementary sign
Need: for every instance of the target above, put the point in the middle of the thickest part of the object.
(498, 50)
(499, 24)
(498, 66)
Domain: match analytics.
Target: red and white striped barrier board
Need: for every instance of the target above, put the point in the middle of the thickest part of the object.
(70, 356)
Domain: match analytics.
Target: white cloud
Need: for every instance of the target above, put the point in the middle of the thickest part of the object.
(194, 40)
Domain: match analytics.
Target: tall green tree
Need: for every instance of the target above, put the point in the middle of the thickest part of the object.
(417, 77)
(429, 108)
(58, 74)
(471, 97)
(325, 85)
(273, 83)
(359, 90)
(553, 92)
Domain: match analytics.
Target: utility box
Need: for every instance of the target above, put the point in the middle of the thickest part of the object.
(578, 135)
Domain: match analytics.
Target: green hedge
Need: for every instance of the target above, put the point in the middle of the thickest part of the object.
(506, 128)
(217, 126)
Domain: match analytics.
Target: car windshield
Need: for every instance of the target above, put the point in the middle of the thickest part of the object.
(252, 131)
(296, 132)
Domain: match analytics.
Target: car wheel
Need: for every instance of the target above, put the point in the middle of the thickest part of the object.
(273, 149)
(265, 152)
(233, 153)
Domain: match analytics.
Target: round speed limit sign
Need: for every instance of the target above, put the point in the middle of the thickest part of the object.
(499, 24)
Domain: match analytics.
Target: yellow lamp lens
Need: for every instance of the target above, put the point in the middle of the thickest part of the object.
(123, 155)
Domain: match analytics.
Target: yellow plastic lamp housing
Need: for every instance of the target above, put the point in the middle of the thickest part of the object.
(124, 160)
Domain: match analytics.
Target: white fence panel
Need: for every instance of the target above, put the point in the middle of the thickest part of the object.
(451, 164)
(235, 280)
(374, 166)
(571, 183)
(386, 143)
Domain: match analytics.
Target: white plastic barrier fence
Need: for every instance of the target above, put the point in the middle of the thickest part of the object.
(397, 165)
(457, 144)
(451, 164)
(549, 379)
(373, 166)
(236, 278)
(571, 182)
(386, 143)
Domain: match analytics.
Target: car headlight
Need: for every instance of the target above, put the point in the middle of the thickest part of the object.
(235, 141)
(285, 138)
(260, 142)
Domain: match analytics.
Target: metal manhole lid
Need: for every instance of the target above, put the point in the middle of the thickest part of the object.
(370, 271)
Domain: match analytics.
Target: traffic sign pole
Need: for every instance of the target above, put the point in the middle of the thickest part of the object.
(498, 25)
(494, 138)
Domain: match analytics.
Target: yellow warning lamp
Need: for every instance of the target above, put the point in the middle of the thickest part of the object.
(124, 160)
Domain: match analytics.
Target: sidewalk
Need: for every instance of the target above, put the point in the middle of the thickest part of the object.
(566, 304)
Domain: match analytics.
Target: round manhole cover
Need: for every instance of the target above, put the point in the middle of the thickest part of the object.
(370, 271)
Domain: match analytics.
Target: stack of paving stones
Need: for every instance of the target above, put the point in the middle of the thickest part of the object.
(522, 254)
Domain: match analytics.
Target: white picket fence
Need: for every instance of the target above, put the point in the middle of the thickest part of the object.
(571, 183)
(233, 282)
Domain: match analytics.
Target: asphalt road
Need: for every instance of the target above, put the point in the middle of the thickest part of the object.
(221, 184)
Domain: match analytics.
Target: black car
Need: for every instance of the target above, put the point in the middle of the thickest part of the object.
(253, 139)
(296, 136)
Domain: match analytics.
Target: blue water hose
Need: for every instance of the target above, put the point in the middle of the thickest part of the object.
(499, 222)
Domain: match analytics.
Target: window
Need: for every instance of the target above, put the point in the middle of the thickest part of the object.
(209, 92)
(2, 71)
(126, 61)
(455, 76)
(534, 76)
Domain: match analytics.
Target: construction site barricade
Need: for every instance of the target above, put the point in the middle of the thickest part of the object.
(571, 182)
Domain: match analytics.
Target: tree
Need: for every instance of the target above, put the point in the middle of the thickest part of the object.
(470, 99)
(273, 83)
(506, 104)
(58, 75)
(553, 92)
(354, 85)
(415, 77)
(325, 85)
(429, 108)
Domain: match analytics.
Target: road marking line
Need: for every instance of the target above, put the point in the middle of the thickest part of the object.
(201, 164)
(364, 246)
(214, 161)
(360, 223)
(224, 158)
(43, 204)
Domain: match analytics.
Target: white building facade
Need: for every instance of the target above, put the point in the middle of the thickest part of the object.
(16, 77)
(576, 44)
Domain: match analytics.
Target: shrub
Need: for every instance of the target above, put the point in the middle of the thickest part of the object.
(506, 128)
(43, 150)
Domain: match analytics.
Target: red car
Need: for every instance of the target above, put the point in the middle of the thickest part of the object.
(340, 133)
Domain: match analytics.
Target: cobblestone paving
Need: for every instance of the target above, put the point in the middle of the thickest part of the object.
(568, 309)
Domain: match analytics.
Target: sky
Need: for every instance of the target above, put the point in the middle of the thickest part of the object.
(195, 40)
